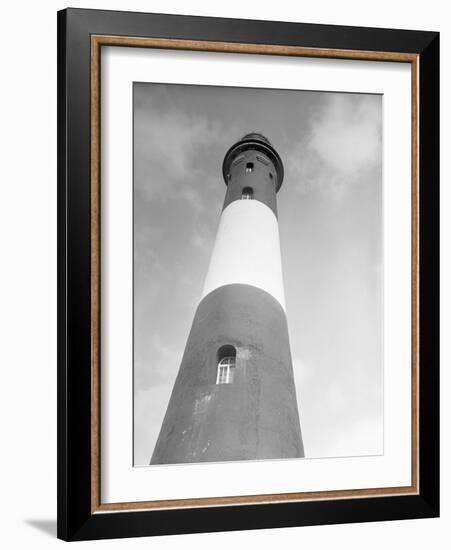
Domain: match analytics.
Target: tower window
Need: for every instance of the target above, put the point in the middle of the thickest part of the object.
(247, 193)
(226, 365)
(249, 167)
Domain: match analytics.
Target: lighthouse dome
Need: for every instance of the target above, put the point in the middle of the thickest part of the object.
(258, 142)
(256, 136)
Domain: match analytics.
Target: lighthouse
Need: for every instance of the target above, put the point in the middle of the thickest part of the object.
(234, 397)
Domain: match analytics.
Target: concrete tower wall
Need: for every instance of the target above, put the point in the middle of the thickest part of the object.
(256, 417)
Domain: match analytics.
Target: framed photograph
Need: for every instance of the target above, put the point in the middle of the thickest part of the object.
(248, 274)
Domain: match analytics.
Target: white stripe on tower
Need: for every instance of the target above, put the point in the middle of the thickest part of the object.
(247, 250)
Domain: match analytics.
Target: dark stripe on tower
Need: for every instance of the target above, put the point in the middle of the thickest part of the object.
(252, 171)
(256, 416)
(253, 163)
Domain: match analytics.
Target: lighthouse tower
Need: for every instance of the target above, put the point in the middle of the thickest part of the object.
(234, 397)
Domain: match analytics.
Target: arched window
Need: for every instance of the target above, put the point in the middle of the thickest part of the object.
(247, 193)
(226, 365)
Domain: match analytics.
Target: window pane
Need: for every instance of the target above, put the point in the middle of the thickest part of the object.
(226, 370)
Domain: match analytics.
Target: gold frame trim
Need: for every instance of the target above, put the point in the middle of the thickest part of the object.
(97, 41)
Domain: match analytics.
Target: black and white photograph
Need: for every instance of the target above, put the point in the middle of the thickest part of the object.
(257, 274)
(225, 274)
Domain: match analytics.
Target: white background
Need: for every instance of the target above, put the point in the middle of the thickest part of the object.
(119, 481)
(28, 275)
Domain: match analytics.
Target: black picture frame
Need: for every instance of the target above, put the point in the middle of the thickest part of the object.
(76, 518)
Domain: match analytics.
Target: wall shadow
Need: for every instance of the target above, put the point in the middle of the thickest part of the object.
(47, 526)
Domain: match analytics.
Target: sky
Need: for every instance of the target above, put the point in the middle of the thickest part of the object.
(330, 221)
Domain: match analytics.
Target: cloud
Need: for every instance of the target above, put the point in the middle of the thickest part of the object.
(340, 409)
(171, 150)
(165, 153)
(347, 138)
(343, 146)
(203, 237)
(161, 367)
